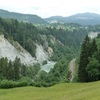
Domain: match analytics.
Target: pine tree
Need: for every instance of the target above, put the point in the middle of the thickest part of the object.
(17, 66)
(10, 72)
(93, 67)
(23, 70)
(3, 67)
(93, 48)
(85, 52)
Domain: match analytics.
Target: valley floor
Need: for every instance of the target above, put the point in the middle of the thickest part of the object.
(65, 91)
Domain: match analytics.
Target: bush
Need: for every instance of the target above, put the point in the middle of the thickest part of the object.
(37, 84)
(20, 83)
(26, 81)
(7, 84)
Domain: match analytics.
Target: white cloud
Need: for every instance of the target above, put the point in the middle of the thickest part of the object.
(46, 8)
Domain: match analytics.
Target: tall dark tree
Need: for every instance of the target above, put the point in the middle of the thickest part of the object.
(3, 67)
(10, 73)
(17, 65)
(93, 48)
(85, 52)
(93, 68)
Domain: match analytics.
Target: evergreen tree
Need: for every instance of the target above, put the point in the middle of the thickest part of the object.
(10, 72)
(85, 52)
(93, 48)
(17, 66)
(3, 67)
(23, 70)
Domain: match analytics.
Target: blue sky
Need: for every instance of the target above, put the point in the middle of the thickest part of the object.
(47, 8)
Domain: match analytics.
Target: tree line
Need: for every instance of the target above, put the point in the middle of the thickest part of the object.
(14, 74)
(89, 64)
(15, 70)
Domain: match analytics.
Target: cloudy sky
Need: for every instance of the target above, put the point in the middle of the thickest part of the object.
(47, 8)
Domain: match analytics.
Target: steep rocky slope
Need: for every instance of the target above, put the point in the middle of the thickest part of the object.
(11, 51)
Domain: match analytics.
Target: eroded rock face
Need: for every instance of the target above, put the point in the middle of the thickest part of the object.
(9, 51)
(16, 50)
(41, 54)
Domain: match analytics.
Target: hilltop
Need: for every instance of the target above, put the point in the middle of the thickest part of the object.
(22, 17)
(81, 18)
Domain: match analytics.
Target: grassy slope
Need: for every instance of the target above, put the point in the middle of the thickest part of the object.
(65, 91)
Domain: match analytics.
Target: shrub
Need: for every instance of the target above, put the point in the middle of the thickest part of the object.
(20, 83)
(7, 84)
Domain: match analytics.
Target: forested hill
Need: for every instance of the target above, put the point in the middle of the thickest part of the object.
(54, 42)
(59, 43)
(22, 17)
(81, 18)
(66, 38)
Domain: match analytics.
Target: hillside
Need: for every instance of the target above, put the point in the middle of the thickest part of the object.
(65, 91)
(40, 45)
(22, 17)
(11, 52)
(43, 43)
(81, 18)
(51, 38)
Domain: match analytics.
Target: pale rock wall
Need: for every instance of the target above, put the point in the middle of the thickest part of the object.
(16, 50)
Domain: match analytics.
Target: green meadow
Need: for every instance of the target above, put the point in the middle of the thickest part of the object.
(64, 91)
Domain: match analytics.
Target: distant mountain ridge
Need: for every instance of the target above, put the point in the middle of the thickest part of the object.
(22, 17)
(80, 18)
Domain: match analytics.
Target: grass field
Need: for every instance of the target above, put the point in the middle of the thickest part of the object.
(65, 91)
